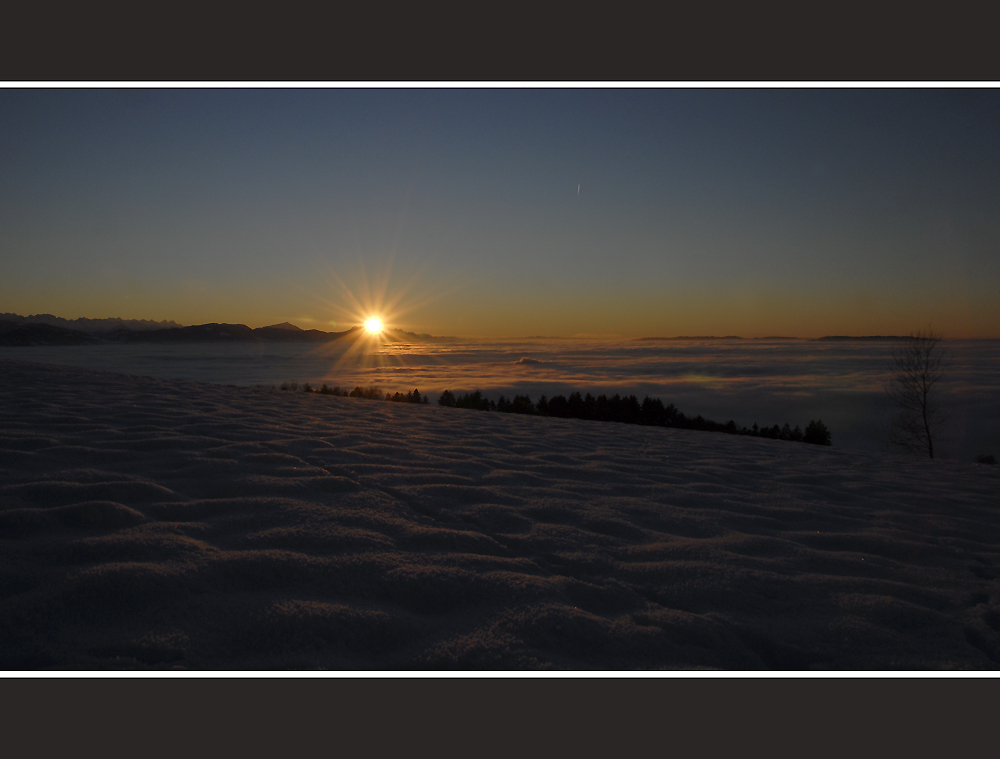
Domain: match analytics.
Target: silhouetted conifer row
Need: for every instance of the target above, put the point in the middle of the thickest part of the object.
(414, 397)
(324, 390)
(372, 392)
(628, 410)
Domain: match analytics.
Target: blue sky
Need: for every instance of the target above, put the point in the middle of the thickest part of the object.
(504, 212)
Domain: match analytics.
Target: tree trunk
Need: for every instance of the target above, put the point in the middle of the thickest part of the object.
(927, 429)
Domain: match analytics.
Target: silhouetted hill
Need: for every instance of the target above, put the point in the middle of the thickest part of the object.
(196, 333)
(216, 332)
(289, 333)
(15, 333)
(283, 325)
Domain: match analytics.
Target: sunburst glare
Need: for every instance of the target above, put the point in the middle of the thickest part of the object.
(369, 310)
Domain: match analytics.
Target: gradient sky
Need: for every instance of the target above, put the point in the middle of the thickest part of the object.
(505, 212)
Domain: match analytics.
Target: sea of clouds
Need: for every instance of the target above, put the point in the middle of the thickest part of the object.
(750, 381)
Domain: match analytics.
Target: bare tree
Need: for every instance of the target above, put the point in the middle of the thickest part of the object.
(919, 362)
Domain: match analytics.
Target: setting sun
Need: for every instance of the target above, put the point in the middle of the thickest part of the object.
(374, 325)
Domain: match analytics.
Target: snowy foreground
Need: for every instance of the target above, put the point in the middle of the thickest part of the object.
(157, 524)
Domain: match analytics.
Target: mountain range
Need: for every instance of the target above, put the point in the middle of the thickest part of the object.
(46, 329)
(89, 325)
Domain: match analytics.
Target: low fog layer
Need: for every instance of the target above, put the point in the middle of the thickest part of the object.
(762, 381)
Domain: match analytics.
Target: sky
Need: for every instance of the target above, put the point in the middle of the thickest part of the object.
(507, 212)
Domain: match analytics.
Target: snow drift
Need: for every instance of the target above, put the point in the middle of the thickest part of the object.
(148, 523)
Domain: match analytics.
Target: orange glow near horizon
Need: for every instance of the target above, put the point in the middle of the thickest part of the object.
(359, 299)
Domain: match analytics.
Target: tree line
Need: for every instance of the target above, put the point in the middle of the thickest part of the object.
(650, 412)
(372, 392)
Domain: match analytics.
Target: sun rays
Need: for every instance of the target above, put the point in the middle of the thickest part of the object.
(371, 308)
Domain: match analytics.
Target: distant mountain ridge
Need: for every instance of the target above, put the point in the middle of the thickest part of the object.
(229, 333)
(45, 329)
(35, 333)
(90, 325)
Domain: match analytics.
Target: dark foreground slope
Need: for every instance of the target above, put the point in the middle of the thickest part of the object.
(155, 524)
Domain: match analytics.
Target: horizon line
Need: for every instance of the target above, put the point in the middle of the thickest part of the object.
(423, 333)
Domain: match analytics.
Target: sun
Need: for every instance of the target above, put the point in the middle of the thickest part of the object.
(374, 325)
